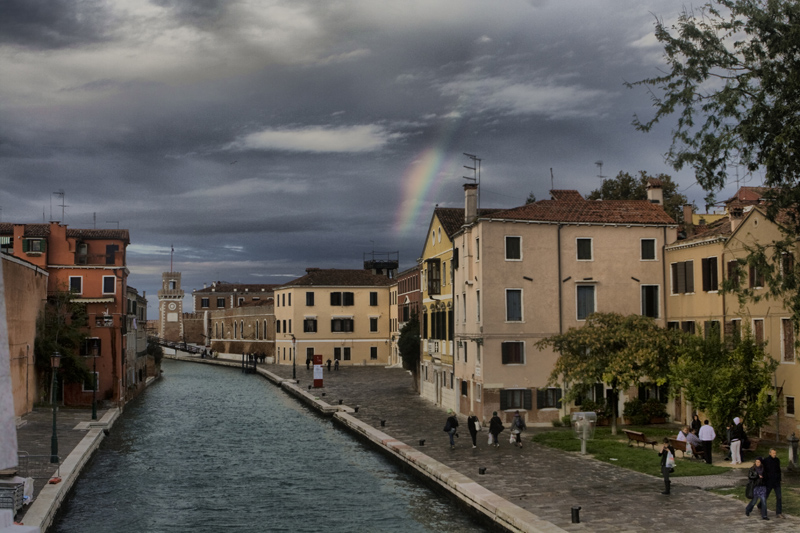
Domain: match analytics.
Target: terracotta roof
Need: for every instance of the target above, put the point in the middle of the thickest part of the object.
(570, 206)
(747, 195)
(242, 288)
(43, 230)
(31, 230)
(719, 227)
(452, 218)
(335, 277)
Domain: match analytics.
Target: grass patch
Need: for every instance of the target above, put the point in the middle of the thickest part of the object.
(614, 449)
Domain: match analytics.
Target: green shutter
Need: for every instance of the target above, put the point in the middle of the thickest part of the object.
(541, 398)
(24, 245)
(528, 400)
(503, 400)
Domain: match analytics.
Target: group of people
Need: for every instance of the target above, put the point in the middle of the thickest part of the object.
(763, 478)
(495, 428)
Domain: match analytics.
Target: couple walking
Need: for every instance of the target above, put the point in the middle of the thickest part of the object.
(495, 428)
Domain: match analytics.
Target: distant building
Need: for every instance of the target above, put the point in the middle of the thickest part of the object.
(136, 342)
(170, 308)
(248, 328)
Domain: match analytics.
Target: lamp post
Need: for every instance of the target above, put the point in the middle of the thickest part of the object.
(94, 382)
(294, 357)
(55, 362)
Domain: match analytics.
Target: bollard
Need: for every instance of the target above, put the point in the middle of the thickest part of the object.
(383, 423)
(355, 408)
(309, 387)
(422, 442)
(482, 470)
(576, 516)
(323, 394)
(340, 402)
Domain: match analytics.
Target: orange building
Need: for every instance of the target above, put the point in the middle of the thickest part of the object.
(91, 264)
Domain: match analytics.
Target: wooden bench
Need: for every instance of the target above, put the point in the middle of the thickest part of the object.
(637, 437)
(752, 448)
(682, 444)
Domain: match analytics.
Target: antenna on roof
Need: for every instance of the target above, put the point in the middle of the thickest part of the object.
(599, 164)
(94, 220)
(113, 222)
(476, 173)
(60, 193)
(552, 184)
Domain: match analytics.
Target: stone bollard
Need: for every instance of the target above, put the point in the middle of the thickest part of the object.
(340, 402)
(355, 409)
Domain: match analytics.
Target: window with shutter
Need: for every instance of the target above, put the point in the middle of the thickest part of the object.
(347, 298)
(709, 268)
(648, 250)
(513, 353)
(336, 298)
(513, 248)
(584, 249)
(513, 305)
(310, 299)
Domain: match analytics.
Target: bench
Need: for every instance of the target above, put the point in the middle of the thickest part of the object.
(752, 448)
(682, 444)
(637, 437)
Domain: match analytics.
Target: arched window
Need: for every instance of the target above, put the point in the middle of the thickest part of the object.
(241, 329)
(265, 330)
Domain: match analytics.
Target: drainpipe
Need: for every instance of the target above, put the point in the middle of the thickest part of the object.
(664, 274)
(560, 303)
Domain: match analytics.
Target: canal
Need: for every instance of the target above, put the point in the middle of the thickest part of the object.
(209, 449)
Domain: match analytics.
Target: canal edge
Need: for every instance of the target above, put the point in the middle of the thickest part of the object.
(500, 511)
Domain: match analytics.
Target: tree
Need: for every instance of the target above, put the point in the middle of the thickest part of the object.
(614, 349)
(155, 350)
(726, 378)
(733, 79)
(61, 328)
(409, 347)
(531, 198)
(627, 187)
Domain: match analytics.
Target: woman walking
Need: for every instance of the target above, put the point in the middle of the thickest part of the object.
(756, 478)
(517, 427)
(495, 427)
(667, 455)
(473, 426)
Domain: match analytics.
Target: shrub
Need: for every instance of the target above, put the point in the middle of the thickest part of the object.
(653, 408)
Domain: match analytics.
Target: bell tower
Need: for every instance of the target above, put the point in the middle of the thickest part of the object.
(170, 307)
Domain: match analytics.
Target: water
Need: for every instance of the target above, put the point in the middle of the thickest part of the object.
(208, 449)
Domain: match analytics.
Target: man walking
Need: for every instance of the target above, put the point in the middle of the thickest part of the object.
(707, 436)
(451, 427)
(772, 476)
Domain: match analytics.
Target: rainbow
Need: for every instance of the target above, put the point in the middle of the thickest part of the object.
(424, 178)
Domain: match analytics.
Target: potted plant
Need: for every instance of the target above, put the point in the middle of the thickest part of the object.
(655, 411)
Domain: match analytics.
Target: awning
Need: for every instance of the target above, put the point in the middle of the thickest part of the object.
(93, 300)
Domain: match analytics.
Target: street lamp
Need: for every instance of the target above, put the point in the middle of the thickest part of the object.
(95, 355)
(55, 362)
(294, 357)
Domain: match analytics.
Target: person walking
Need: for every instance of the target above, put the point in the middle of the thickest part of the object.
(451, 427)
(517, 427)
(667, 455)
(772, 475)
(329, 365)
(707, 436)
(737, 437)
(336, 365)
(473, 425)
(495, 428)
(755, 477)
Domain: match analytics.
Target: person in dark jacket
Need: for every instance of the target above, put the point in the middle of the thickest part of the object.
(756, 477)
(696, 424)
(495, 428)
(517, 427)
(472, 426)
(772, 475)
(666, 451)
(451, 427)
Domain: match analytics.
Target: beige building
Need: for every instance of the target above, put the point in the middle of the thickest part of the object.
(25, 293)
(340, 314)
(527, 273)
(135, 343)
(698, 266)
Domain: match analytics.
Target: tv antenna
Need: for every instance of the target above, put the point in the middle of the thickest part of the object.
(476, 173)
(113, 222)
(599, 164)
(60, 193)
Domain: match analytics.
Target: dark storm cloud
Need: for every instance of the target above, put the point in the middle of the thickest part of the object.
(48, 24)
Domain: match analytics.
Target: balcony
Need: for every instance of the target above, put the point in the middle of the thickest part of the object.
(95, 259)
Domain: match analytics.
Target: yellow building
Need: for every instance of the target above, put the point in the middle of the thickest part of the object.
(341, 314)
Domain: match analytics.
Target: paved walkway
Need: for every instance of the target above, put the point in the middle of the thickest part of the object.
(544, 481)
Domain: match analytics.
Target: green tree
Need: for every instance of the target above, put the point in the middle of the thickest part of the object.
(531, 198)
(614, 349)
(409, 347)
(61, 328)
(726, 378)
(155, 350)
(627, 187)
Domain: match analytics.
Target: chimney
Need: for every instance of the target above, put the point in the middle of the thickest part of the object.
(736, 216)
(470, 202)
(655, 194)
(688, 225)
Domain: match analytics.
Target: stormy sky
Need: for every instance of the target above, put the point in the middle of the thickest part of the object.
(262, 137)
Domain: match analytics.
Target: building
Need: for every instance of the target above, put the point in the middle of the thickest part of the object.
(91, 264)
(248, 328)
(170, 308)
(524, 274)
(136, 343)
(224, 295)
(340, 314)
(25, 289)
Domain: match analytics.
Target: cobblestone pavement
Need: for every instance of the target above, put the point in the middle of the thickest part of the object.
(34, 437)
(542, 480)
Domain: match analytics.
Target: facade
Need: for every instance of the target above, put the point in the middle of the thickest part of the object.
(341, 314)
(524, 274)
(91, 264)
(406, 303)
(25, 289)
(223, 295)
(136, 343)
(248, 328)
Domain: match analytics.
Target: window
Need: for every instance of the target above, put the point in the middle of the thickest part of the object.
(477, 249)
(787, 263)
(758, 330)
(790, 405)
(787, 336)
(220, 302)
(477, 392)
(586, 304)
(373, 324)
(516, 399)
(76, 284)
(277, 326)
(733, 273)
(513, 305)
(290, 326)
(109, 284)
(513, 248)
(310, 299)
(673, 326)
(584, 249)
(683, 277)
(464, 388)
(346, 352)
(711, 328)
(91, 347)
(478, 304)
(34, 246)
(733, 329)
(454, 261)
(111, 253)
(310, 325)
(336, 298)
(342, 324)
(709, 267)
(240, 301)
(348, 298)
(756, 278)
(650, 301)
(434, 276)
(688, 327)
(290, 299)
(513, 353)
(283, 300)
(548, 398)
(648, 249)
(91, 382)
(373, 353)
(373, 299)
(203, 302)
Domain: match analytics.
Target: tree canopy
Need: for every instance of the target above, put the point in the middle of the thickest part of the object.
(614, 349)
(733, 79)
(627, 187)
